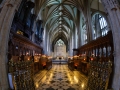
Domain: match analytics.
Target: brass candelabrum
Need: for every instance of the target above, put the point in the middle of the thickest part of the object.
(22, 74)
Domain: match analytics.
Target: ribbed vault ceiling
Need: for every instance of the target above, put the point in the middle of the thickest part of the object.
(60, 16)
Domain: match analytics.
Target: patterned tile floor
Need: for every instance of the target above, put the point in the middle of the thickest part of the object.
(60, 78)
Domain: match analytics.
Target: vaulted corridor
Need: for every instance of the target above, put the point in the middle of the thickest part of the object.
(60, 77)
(59, 44)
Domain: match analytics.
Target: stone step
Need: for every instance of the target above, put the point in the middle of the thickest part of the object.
(59, 61)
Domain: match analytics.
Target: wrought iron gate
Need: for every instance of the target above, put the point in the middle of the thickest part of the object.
(21, 75)
(99, 74)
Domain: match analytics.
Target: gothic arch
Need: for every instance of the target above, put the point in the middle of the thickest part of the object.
(8, 11)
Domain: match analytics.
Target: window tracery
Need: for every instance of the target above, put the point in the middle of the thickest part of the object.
(99, 25)
(60, 42)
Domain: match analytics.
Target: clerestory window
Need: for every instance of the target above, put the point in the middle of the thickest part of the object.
(99, 25)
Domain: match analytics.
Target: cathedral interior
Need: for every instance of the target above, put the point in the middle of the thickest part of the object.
(59, 44)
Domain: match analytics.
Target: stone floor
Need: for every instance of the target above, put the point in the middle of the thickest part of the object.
(60, 78)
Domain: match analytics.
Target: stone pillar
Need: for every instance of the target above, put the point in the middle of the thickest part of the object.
(90, 34)
(78, 29)
(44, 41)
(81, 30)
(48, 44)
(112, 8)
(49, 47)
(6, 17)
(74, 38)
(71, 45)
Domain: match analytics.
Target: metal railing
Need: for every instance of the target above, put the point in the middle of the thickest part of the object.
(21, 75)
(98, 76)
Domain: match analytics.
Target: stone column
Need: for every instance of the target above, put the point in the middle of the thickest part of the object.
(49, 46)
(113, 10)
(6, 17)
(45, 41)
(74, 38)
(71, 46)
(78, 29)
(72, 41)
(90, 34)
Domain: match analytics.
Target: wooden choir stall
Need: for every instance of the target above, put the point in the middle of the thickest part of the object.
(95, 59)
(24, 60)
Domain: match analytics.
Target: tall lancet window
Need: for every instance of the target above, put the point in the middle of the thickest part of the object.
(99, 25)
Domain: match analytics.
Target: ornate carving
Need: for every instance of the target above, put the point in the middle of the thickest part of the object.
(99, 74)
(23, 45)
(22, 74)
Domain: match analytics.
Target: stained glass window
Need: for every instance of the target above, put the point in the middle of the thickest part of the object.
(60, 42)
